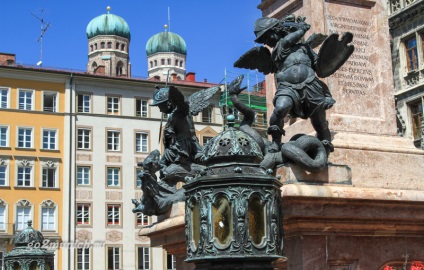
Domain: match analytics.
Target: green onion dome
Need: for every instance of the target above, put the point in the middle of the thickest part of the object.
(108, 24)
(166, 42)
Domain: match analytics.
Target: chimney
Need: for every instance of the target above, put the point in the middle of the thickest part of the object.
(191, 77)
(7, 59)
(205, 80)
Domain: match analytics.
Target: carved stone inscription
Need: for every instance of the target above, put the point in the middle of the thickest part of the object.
(355, 77)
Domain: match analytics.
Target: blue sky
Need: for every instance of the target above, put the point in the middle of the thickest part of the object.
(216, 32)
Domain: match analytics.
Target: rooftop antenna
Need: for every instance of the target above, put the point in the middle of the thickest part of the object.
(44, 27)
(169, 19)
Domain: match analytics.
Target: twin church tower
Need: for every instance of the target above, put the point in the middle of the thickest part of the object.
(109, 44)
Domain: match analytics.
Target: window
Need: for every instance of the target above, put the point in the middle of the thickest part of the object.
(109, 45)
(113, 140)
(156, 63)
(137, 178)
(151, 64)
(91, 48)
(50, 102)
(176, 62)
(49, 139)
(181, 63)
(49, 177)
(141, 107)
(23, 214)
(48, 219)
(141, 142)
(143, 258)
(1, 259)
(3, 175)
(102, 45)
(142, 219)
(169, 61)
(83, 214)
(206, 140)
(113, 105)
(113, 177)
(83, 259)
(171, 262)
(117, 46)
(2, 219)
(24, 176)
(411, 54)
(123, 47)
(207, 115)
(84, 137)
(25, 99)
(113, 214)
(4, 98)
(416, 115)
(95, 46)
(162, 62)
(119, 69)
(113, 258)
(83, 103)
(4, 136)
(83, 175)
(25, 137)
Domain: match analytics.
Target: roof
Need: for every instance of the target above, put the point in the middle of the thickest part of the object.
(166, 42)
(108, 24)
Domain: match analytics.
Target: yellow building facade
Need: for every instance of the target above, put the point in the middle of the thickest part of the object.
(32, 155)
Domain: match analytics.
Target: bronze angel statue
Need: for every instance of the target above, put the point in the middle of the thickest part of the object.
(294, 64)
(183, 154)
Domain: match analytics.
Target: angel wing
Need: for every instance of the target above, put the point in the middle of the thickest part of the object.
(177, 99)
(257, 58)
(200, 100)
(315, 40)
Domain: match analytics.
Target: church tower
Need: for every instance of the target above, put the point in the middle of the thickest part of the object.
(108, 46)
(166, 51)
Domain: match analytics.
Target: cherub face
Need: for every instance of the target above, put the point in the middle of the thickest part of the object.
(271, 38)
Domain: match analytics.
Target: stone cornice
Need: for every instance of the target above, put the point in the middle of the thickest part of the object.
(406, 15)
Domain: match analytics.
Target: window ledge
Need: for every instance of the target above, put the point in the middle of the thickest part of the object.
(50, 150)
(49, 188)
(84, 226)
(30, 188)
(113, 226)
(5, 187)
(112, 187)
(25, 148)
(5, 147)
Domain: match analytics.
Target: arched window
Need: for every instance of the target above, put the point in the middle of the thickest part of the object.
(94, 67)
(91, 47)
(119, 68)
(181, 63)
(122, 47)
(169, 61)
(162, 62)
(156, 63)
(95, 46)
(102, 45)
(117, 46)
(109, 45)
(151, 64)
(176, 62)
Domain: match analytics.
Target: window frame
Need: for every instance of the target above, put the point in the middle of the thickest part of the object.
(115, 211)
(119, 175)
(55, 95)
(143, 257)
(24, 222)
(416, 127)
(113, 146)
(139, 148)
(83, 255)
(113, 247)
(31, 176)
(54, 208)
(173, 262)
(415, 54)
(142, 220)
(6, 174)
(208, 115)
(141, 112)
(137, 170)
(89, 175)
(4, 104)
(54, 174)
(31, 142)
(25, 90)
(6, 134)
(110, 99)
(90, 138)
(86, 213)
(56, 146)
(81, 105)
(3, 223)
